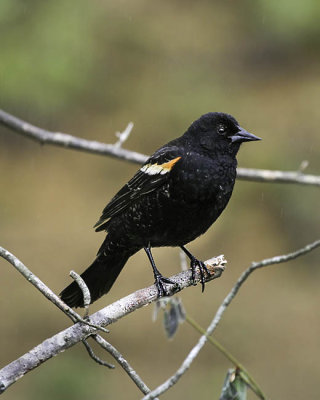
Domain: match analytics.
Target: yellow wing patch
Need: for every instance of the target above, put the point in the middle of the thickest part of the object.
(168, 165)
(154, 169)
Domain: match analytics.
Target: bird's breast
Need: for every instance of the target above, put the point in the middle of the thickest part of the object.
(205, 180)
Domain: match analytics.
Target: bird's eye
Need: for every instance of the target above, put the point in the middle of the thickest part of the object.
(221, 129)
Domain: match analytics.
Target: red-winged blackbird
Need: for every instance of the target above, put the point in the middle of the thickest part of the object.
(173, 198)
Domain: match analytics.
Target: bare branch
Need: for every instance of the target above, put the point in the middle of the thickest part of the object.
(48, 293)
(226, 302)
(80, 331)
(68, 141)
(72, 142)
(266, 175)
(123, 362)
(84, 288)
(94, 356)
(76, 317)
(119, 358)
(123, 136)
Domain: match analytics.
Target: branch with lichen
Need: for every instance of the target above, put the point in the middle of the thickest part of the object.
(98, 321)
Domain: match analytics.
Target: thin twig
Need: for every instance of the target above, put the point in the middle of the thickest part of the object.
(118, 357)
(44, 136)
(272, 176)
(228, 299)
(74, 316)
(72, 142)
(47, 292)
(123, 136)
(85, 290)
(94, 356)
(108, 315)
(249, 379)
(123, 362)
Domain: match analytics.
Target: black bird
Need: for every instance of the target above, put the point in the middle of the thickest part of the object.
(172, 199)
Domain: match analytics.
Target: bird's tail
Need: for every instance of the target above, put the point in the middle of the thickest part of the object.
(99, 277)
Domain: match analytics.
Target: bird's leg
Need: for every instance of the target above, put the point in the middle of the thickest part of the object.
(159, 279)
(194, 263)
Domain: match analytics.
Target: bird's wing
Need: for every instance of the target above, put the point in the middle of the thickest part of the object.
(150, 176)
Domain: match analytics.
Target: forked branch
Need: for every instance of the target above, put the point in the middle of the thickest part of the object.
(82, 330)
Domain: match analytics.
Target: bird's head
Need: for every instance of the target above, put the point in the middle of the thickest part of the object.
(217, 131)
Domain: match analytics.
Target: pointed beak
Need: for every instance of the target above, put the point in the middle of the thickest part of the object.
(243, 136)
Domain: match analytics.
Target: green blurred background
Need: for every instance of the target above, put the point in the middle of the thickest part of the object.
(88, 68)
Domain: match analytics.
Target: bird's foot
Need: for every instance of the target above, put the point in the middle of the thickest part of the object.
(159, 282)
(202, 269)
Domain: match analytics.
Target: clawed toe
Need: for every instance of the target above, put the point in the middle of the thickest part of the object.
(194, 263)
(202, 269)
(159, 282)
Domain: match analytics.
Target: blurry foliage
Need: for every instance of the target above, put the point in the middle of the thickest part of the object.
(291, 20)
(88, 68)
(47, 52)
(61, 380)
(63, 53)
